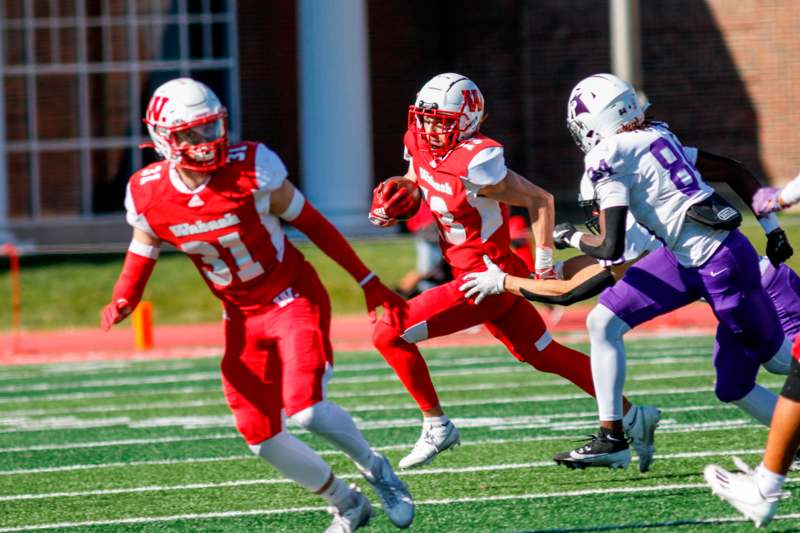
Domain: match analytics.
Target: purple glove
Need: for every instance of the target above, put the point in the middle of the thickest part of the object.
(766, 200)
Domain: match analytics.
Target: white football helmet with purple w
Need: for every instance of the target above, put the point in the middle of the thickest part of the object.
(599, 106)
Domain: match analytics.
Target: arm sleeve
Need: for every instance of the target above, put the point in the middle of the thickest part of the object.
(589, 288)
(613, 245)
(132, 215)
(488, 167)
(270, 170)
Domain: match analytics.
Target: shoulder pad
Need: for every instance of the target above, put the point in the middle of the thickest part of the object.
(146, 184)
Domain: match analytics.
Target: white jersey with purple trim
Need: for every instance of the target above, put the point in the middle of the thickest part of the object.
(638, 241)
(653, 174)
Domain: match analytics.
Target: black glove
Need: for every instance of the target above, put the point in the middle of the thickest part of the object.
(778, 247)
(562, 233)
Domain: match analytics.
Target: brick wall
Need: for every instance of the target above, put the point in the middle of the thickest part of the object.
(761, 38)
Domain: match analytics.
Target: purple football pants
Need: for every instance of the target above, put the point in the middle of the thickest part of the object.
(749, 332)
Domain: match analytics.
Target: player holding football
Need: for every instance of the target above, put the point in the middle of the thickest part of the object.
(756, 493)
(220, 205)
(463, 177)
(640, 166)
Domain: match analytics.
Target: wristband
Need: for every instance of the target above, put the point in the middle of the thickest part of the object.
(575, 239)
(544, 258)
(366, 279)
(790, 193)
(769, 223)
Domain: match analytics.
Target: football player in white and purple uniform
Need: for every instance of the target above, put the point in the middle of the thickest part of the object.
(585, 277)
(640, 167)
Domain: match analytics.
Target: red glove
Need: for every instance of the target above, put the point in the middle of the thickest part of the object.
(377, 294)
(115, 312)
(390, 200)
(128, 290)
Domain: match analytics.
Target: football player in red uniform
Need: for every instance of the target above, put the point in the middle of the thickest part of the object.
(220, 205)
(464, 179)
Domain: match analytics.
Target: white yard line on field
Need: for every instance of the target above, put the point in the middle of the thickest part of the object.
(18, 424)
(466, 364)
(111, 367)
(675, 428)
(394, 391)
(405, 473)
(512, 369)
(447, 501)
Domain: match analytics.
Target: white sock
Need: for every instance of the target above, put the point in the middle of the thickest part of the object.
(769, 483)
(295, 460)
(758, 403)
(335, 425)
(607, 359)
(435, 421)
(338, 494)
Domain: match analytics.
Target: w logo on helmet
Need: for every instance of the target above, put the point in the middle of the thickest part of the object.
(472, 100)
(156, 107)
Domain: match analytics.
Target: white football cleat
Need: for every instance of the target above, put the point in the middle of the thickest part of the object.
(394, 495)
(352, 518)
(432, 441)
(642, 434)
(741, 491)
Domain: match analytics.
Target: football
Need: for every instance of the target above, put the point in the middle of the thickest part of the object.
(400, 197)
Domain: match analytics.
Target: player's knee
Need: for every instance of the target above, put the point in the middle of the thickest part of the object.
(780, 363)
(544, 354)
(262, 446)
(727, 391)
(271, 445)
(311, 417)
(384, 335)
(601, 322)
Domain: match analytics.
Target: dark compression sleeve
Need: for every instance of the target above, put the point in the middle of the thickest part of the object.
(591, 287)
(613, 244)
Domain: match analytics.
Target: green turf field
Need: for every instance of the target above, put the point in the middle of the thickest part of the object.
(150, 446)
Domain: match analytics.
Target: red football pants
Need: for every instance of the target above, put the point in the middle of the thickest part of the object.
(277, 359)
(444, 310)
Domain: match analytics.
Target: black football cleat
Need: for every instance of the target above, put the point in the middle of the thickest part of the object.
(601, 450)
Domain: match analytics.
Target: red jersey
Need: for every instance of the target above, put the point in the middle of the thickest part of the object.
(469, 225)
(223, 225)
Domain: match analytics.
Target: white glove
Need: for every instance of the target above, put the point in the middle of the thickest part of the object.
(482, 284)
